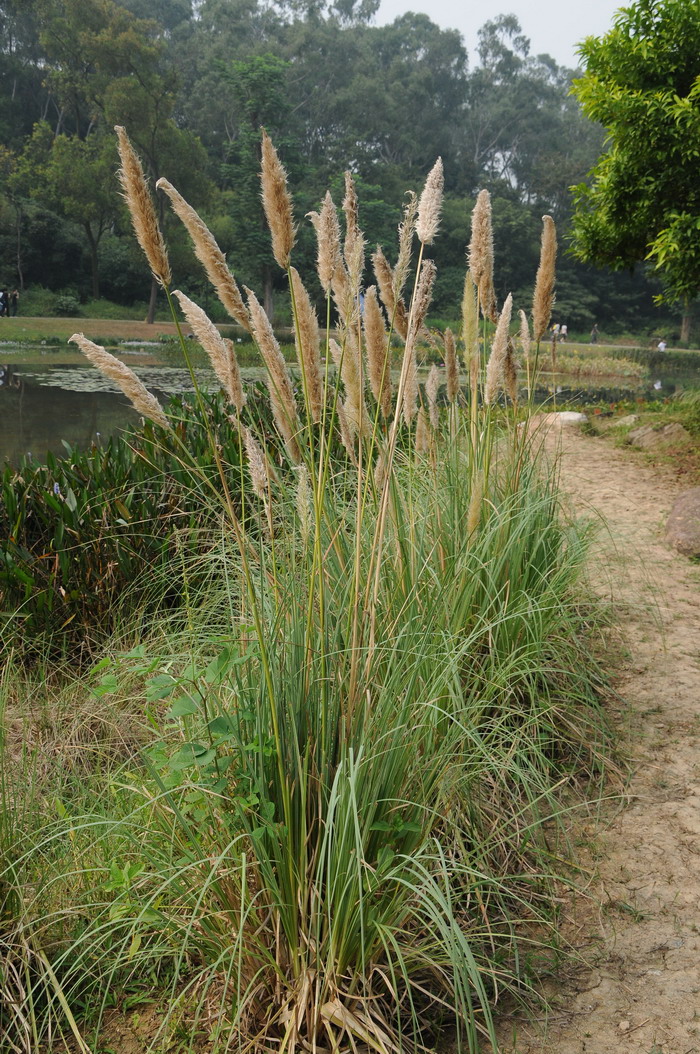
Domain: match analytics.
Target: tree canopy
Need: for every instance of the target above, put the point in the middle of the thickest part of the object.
(642, 83)
(193, 81)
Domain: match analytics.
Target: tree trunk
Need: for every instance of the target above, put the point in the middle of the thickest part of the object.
(20, 272)
(685, 324)
(152, 302)
(94, 267)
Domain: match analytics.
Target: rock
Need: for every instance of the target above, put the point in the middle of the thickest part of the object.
(683, 525)
(648, 437)
(626, 422)
(562, 419)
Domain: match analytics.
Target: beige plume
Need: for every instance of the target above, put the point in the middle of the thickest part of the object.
(451, 366)
(220, 352)
(475, 504)
(432, 388)
(422, 438)
(277, 203)
(395, 308)
(499, 351)
(126, 379)
(524, 335)
(470, 330)
(419, 310)
(377, 345)
(307, 341)
(407, 229)
(481, 255)
(543, 299)
(510, 373)
(430, 205)
(257, 465)
(328, 237)
(209, 255)
(278, 380)
(143, 213)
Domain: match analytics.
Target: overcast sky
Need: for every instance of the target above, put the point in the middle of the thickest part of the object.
(553, 26)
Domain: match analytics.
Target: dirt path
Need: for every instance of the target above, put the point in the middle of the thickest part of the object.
(638, 987)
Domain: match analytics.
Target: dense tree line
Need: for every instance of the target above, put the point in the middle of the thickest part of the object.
(194, 80)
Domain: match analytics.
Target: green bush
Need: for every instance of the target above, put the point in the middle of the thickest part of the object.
(83, 532)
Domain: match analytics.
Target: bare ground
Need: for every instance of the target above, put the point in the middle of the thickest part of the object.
(636, 928)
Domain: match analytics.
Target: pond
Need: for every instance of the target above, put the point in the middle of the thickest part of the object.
(48, 396)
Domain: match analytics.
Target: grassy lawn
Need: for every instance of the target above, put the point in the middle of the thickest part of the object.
(97, 329)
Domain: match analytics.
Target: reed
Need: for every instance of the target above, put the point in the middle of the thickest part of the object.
(209, 255)
(134, 389)
(220, 351)
(141, 209)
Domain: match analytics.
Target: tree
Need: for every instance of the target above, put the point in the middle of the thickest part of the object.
(76, 179)
(642, 82)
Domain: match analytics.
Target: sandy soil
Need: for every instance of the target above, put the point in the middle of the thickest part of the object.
(636, 987)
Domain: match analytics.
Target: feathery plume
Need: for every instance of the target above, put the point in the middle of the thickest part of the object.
(303, 504)
(143, 213)
(475, 503)
(307, 341)
(421, 303)
(510, 373)
(126, 379)
(257, 466)
(345, 434)
(470, 329)
(347, 359)
(209, 255)
(376, 343)
(431, 391)
(381, 468)
(395, 308)
(343, 294)
(481, 255)
(524, 335)
(354, 240)
(451, 366)
(424, 294)
(407, 229)
(277, 203)
(543, 299)
(499, 351)
(410, 390)
(328, 237)
(422, 438)
(279, 382)
(432, 387)
(220, 352)
(430, 204)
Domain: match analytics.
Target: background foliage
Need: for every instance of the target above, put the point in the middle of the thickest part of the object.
(194, 82)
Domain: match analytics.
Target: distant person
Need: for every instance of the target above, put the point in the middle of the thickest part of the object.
(4, 302)
(563, 332)
(14, 300)
(661, 345)
(594, 335)
(555, 330)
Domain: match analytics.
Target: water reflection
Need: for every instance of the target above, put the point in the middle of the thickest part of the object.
(41, 405)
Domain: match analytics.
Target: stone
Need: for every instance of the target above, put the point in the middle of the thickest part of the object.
(649, 437)
(625, 422)
(683, 525)
(562, 419)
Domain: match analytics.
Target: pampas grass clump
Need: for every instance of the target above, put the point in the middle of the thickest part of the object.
(356, 726)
